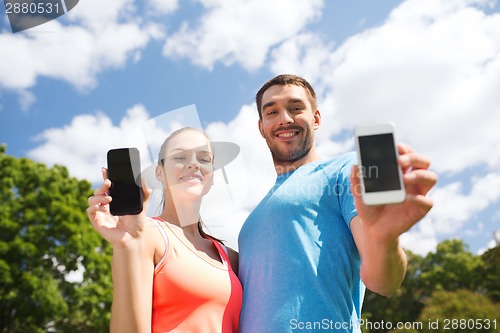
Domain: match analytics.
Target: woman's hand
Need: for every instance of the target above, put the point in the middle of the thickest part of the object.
(119, 231)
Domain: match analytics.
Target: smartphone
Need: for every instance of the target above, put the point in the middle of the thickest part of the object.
(124, 166)
(380, 174)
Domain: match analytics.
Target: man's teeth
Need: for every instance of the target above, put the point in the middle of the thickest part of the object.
(287, 135)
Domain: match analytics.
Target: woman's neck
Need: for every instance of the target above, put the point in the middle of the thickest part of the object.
(182, 213)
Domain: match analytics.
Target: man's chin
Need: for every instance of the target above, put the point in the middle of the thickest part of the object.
(288, 157)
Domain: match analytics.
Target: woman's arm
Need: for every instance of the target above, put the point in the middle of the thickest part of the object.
(133, 261)
(132, 270)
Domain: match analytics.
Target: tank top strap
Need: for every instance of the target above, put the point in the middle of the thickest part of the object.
(222, 252)
(163, 233)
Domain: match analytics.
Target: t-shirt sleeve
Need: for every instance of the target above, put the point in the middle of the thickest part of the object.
(346, 199)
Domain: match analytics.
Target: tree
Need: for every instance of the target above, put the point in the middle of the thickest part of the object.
(490, 273)
(451, 267)
(460, 311)
(403, 306)
(44, 235)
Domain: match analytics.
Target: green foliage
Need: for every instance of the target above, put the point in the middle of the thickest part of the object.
(452, 271)
(404, 305)
(451, 267)
(44, 235)
(490, 273)
(460, 311)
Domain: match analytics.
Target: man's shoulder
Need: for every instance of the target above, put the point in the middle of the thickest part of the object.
(341, 162)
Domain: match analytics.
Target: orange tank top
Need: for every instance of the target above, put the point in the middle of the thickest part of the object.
(191, 294)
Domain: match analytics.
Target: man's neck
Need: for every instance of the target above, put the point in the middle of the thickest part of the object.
(285, 167)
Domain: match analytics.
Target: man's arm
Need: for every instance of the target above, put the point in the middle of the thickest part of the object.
(376, 229)
(383, 264)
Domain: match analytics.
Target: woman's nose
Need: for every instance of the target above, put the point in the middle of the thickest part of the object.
(193, 162)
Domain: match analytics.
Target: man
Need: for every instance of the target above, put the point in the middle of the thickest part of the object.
(311, 245)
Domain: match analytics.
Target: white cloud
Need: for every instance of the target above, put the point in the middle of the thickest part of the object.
(26, 99)
(453, 210)
(491, 244)
(240, 31)
(432, 68)
(95, 15)
(432, 72)
(82, 145)
(163, 6)
(256, 158)
(101, 37)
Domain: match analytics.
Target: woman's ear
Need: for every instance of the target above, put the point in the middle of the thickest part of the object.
(159, 173)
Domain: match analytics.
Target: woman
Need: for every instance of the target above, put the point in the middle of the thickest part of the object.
(168, 275)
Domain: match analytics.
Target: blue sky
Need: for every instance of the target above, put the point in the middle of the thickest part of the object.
(74, 87)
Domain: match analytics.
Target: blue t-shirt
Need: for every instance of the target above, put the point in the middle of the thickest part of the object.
(298, 262)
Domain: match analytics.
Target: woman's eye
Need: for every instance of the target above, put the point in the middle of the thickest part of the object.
(179, 158)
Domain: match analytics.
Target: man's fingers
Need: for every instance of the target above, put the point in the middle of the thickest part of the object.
(404, 148)
(356, 184)
(422, 180)
(414, 161)
(424, 203)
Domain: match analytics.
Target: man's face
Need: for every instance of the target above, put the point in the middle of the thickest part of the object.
(288, 122)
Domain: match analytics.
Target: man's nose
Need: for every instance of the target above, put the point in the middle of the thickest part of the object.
(285, 118)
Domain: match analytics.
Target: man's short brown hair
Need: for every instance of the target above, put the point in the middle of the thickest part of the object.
(283, 80)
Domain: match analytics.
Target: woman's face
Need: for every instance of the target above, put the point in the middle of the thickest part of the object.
(188, 165)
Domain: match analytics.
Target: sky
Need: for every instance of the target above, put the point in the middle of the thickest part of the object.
(84, 83)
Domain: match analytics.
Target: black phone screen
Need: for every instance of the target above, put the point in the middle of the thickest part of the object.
(379, 164)
(125, 189)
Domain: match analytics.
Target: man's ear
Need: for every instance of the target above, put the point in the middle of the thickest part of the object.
(260, 128)
(317, 119)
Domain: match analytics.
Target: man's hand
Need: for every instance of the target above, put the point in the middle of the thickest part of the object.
(376, 229)
(387, 222)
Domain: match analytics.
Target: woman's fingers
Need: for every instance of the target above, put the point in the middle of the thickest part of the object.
(99, 200)
(103, 189)
(104, 173)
